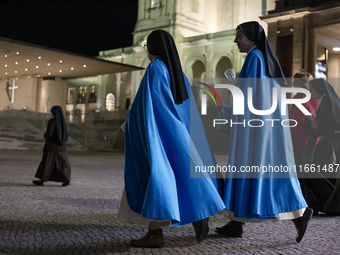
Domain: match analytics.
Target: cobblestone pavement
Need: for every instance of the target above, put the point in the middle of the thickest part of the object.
(81, 218)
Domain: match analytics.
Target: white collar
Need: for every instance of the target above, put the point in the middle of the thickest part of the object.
(252, 48)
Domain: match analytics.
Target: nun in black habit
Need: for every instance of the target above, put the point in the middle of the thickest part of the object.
(323, 194)
(55, 165)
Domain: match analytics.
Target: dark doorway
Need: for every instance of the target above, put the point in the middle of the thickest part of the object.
(284, 52)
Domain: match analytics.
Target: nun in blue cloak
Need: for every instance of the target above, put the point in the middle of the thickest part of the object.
(158, 145)
(252, 196)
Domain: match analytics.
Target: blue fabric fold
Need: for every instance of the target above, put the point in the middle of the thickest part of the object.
(249, 195)
(157, 155)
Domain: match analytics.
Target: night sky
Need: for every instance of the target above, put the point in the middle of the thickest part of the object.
(84, 27)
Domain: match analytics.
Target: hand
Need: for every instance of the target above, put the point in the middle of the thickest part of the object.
(119, 130)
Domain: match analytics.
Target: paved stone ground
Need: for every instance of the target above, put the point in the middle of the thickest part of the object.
(81, 218)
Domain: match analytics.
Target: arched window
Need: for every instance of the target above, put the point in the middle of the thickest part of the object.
(197, 69)
(110, 102)
(221, 66)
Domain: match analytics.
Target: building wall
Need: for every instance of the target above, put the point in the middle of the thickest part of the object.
(209, 52)
(4, 101)
(203, 30)
(51, 93)
(25, 96)
(34, 94)
(334, 71)
(311, 30)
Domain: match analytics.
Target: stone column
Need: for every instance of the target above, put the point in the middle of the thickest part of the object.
(272, 34)
(136, 76)
(311, 56)
(237, 61)
(298, 42)
(118, 84)
(210, 73)
(135, 82)
(101, 97)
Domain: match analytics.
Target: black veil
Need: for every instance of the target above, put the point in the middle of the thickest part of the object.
(323, 87)
(160, 43)
(255, 33)
(60, 124)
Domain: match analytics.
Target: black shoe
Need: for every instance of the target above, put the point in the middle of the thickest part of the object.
(39, 183)
(152, 239)
(201, 229)
(301, 223)
(231, 229)
(65, 183)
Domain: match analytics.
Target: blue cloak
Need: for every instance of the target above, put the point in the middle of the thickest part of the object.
(249, 195)
(157, 154)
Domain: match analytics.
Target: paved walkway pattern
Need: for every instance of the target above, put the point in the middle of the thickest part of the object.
(81, 218)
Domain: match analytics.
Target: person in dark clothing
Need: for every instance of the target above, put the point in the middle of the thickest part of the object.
(300, 133)
(324, 192)
(55, 165)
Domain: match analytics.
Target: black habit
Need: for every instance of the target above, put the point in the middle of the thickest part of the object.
(55, 165)
(323, 194)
